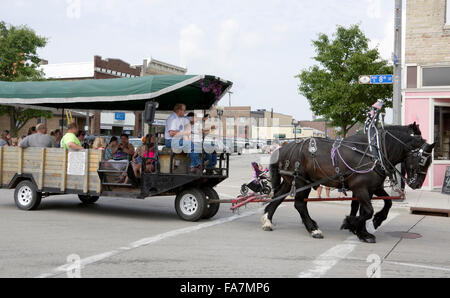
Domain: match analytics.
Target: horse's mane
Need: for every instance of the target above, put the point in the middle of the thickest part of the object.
(394, 147)
(414, 128)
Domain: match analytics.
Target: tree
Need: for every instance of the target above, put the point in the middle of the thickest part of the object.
(19, 62)
(332, 86)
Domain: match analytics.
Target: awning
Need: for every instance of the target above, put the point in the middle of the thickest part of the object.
(125, 94)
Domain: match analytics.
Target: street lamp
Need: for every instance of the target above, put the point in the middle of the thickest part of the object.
(295, 124)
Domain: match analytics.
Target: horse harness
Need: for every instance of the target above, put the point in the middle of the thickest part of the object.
(381, 164)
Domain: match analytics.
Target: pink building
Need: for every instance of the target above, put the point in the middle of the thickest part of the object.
(427, 80)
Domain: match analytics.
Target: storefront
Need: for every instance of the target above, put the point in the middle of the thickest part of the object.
(117, 123)
(431, 110)
(426, 94)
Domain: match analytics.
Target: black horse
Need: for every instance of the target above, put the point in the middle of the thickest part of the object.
(413, 130)
(311, 166)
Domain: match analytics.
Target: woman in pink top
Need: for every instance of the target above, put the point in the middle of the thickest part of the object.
(141, 153)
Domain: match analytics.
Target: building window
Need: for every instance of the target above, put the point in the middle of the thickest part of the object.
(442, 133)
(436, 76)
(411, 77)
(42, 120)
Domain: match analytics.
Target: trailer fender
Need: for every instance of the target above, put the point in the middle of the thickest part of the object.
(19, 178)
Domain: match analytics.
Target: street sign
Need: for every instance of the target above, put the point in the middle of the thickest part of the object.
(375, 79)
(364, 80)
(119, 116)
(381, 79)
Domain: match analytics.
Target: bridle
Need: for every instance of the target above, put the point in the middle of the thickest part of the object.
(420, 153)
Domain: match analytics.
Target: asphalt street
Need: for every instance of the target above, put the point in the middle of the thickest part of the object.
(145, 238)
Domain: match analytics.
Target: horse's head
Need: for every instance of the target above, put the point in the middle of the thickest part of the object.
(417, 163)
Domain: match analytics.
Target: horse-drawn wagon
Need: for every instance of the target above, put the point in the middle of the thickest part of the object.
(43, 172)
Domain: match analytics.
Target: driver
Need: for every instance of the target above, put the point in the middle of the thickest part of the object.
(371, 128)
(177, 132)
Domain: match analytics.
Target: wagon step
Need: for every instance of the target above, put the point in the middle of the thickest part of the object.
(117, 184)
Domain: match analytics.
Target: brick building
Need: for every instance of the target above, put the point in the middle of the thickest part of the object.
(427, 80)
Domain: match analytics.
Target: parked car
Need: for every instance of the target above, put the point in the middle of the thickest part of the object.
(234, 145)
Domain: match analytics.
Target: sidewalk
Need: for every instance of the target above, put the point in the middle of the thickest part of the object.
(427, 199)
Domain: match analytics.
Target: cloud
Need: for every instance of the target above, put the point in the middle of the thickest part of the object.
(190, 44)
(373, 9)
(386, 44)
(228, 33)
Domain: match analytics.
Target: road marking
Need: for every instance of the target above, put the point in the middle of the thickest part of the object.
(326, 261)
(418, 266)
(147, 241)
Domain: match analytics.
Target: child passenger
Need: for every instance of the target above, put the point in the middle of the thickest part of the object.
(144, 151)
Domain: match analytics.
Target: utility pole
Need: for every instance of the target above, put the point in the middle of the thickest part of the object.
(397, 96)
(397, 81)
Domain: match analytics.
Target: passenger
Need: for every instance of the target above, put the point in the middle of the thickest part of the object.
(175, 129)
(112, 148)
(70, 140)
(198, 131)
(142, 152)
(99, 144)
(15, 142)
(38, 139)
(57, 136)
(81, 135)
(210, 135)
(32, 130)
(5, 138)
(126, 147)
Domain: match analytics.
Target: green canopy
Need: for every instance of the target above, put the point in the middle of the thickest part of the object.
(127, 94)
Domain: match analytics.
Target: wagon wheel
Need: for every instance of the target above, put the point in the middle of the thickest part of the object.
(191, 204)
(86, 199)
(27, 196)
(211, 209)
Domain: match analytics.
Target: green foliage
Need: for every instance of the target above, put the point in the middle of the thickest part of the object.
(332, 87)
(19, 62)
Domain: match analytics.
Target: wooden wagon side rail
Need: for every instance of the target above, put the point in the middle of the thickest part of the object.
(49, 168)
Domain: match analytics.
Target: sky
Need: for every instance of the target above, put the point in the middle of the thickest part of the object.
(259, 45)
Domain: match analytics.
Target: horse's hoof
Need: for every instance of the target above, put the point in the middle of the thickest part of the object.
(267, 223)
(370, 240)
(317, 234)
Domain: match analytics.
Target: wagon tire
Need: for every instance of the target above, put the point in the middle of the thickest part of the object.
(89, 200)
(191, 204)
(211, 209)
(26, 196)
